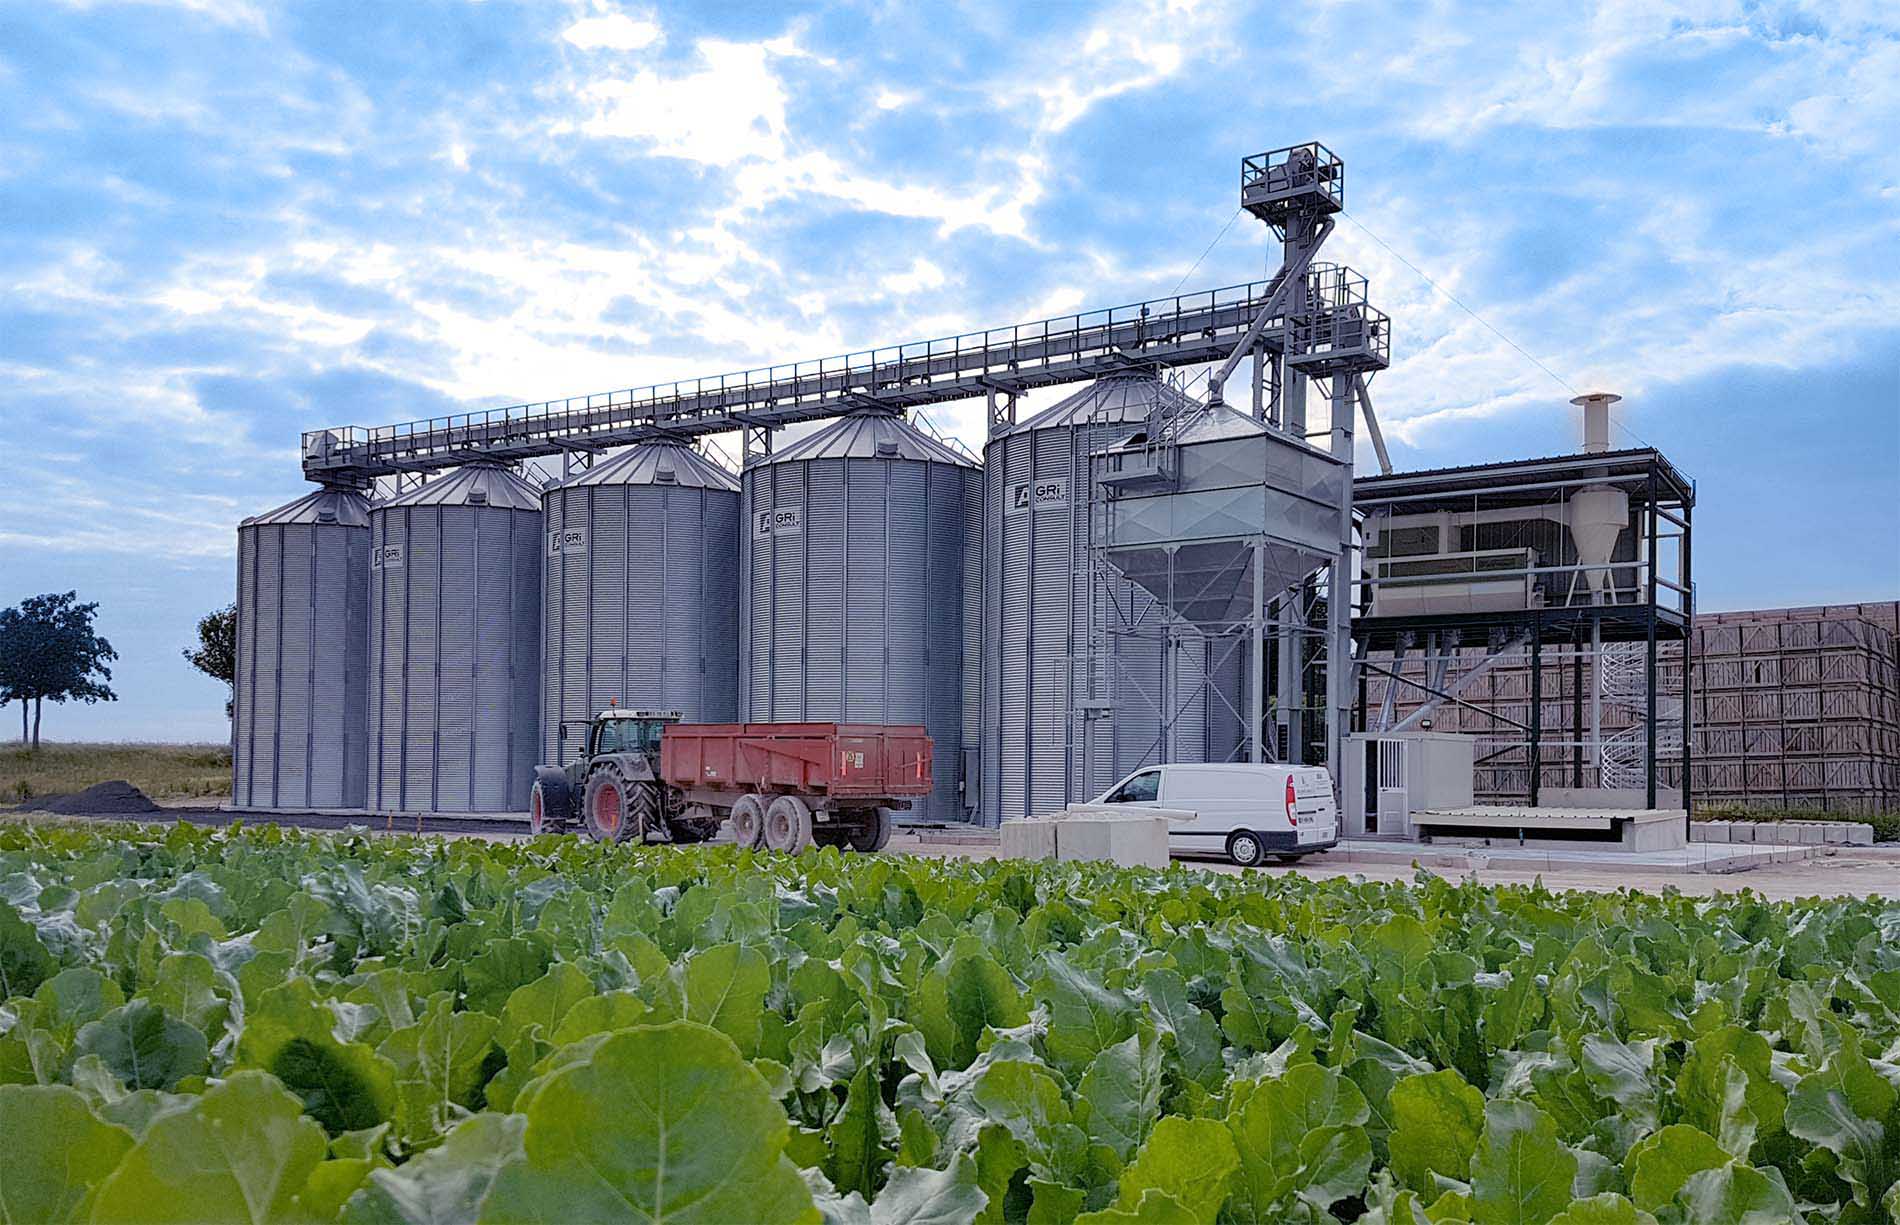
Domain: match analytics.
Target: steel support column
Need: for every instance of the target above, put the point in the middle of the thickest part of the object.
(1537, 705)
(1649, 663)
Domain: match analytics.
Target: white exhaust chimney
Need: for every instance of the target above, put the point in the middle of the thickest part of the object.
(1596, 420)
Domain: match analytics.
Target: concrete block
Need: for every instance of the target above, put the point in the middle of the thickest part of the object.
(1807, 833)
(1131, 842)
(1834, 833)
(1859, 834)
(1032, 838)
(1655, 831)
(1709, 831)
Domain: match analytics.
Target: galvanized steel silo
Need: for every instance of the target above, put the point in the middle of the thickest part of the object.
(1062, 721)
(299, 734)
(855, 586)
(455, 643)
(642, 591)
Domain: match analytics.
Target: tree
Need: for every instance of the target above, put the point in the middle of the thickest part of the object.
(216, 652)
(48, 650)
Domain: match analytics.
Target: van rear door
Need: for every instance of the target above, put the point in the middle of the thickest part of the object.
(1317, 816)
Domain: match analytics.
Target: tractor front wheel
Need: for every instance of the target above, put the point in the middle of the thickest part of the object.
(550, 802)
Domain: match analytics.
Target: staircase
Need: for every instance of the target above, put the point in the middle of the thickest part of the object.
(1623, 757)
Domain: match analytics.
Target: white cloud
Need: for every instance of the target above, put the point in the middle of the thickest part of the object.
(730, 109)
(612, 32)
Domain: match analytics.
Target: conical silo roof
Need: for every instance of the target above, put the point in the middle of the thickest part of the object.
(341, 506)
(474, 485)
(869, 435)
(657, 463)
(1119, 399)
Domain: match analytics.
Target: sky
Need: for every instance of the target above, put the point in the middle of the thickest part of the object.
(224, 223)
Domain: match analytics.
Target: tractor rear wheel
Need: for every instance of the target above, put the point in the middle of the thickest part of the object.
(604, 811)
(788, 825)
(748, 822)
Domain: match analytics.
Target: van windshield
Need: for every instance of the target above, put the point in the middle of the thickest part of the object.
(1141, 789)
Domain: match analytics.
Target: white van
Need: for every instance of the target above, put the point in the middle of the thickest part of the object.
(1248, 811)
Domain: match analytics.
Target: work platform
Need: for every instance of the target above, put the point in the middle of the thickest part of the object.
(1606, 830)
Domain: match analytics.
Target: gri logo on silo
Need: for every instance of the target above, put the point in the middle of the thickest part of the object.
(1035, 495)
(567, 540)
(388, 557)
(784, 521)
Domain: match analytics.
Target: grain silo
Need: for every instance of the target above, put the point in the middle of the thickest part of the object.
(641, 602)
(455, 643)
(855, 586)
(1083, 678)
(299, 730)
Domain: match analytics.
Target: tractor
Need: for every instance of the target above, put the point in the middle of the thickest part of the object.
(613, 789)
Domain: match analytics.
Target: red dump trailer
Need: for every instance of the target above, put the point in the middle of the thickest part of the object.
(788, 785)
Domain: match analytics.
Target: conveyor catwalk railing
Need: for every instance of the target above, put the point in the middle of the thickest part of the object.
(1181, 330)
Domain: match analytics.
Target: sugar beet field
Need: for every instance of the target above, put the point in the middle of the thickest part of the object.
(257, 1024)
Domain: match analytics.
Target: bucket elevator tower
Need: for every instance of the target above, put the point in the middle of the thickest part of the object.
(1213, 537)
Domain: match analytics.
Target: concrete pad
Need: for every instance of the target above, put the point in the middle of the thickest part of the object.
(1030, 838)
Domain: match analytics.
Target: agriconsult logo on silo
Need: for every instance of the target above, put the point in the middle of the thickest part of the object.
(779, 521)
(1038, 495)
(567, 540)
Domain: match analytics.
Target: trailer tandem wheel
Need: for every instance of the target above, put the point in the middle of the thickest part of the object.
(788, 825)
(748, 821)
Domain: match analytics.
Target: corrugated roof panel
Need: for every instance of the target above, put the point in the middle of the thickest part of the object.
(657, 463)
(474, 485)
(343, 507)
(869, 435)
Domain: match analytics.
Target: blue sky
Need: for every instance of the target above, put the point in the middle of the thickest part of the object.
(222, 223)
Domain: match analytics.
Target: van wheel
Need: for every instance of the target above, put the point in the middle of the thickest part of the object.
(1245, 849)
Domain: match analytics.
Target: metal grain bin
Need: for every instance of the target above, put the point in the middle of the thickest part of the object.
(1078, 681)
(455, 643)
(642, 591)
(300, 737)
(855, 586)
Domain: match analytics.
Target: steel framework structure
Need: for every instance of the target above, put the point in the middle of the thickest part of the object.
(1648, 599)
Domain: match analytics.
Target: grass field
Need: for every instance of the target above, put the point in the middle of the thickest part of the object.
(162, 771)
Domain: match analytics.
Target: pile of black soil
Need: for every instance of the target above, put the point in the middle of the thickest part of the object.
(114, 799)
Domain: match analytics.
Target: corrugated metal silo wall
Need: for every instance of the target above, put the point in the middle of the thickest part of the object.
(642, 605)
(455, 645)
(300, 739)
(855, 612)
(1038, 751)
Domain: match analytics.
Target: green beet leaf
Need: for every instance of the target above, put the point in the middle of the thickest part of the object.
(663, 1123)
(1522, 1174)
(143, 1047)
(1191, 1161)
(1436, 1121)
(445, 1185)
(238, 1154)
(916, 1196)
(57, 1154)
(1660, 1163)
